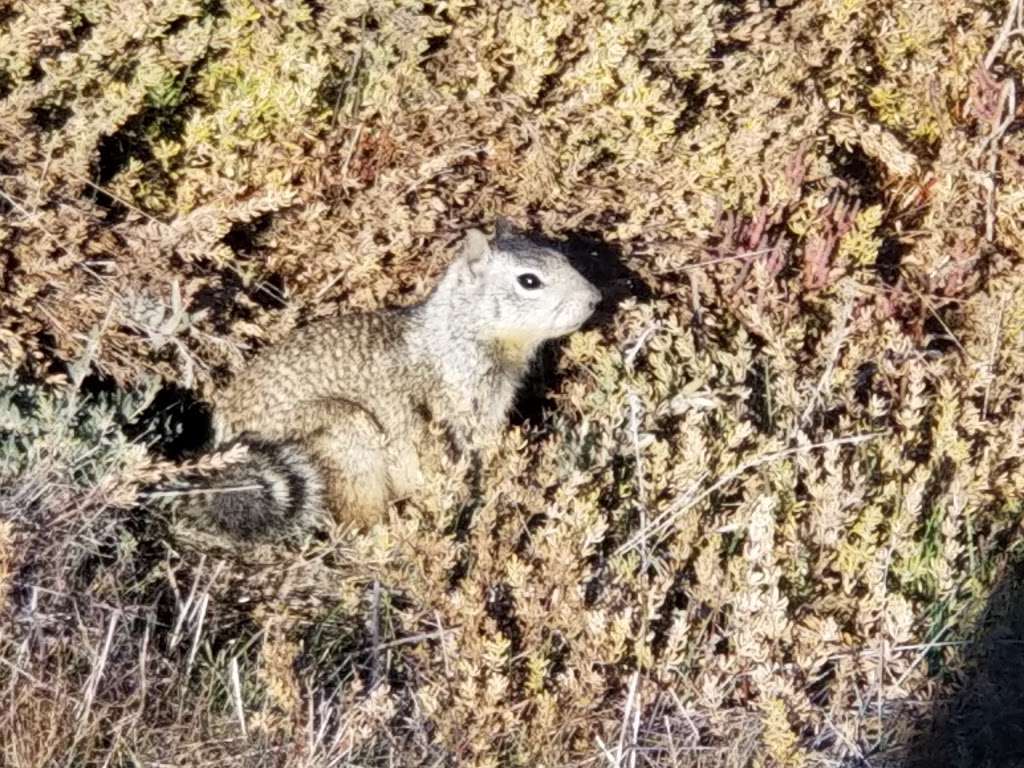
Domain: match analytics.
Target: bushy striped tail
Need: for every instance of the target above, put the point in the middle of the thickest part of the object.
(249, 490)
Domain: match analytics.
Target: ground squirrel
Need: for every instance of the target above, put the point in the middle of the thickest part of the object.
(347, 414)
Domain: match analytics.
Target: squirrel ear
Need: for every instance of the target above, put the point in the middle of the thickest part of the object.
(504, 228)
(475, 250)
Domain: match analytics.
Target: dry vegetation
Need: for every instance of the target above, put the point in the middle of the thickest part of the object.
(758, 513)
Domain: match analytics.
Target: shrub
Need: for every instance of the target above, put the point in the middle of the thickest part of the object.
(752, 506)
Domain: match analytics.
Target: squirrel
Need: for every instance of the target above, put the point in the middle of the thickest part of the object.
(348, 414)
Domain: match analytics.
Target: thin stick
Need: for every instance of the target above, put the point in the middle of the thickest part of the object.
(143, 664)
(630, 697)
(204, 602)
(98, 668)
(992, 358)
(634, 428)
(199, 491)
(1013, 19)
(686, 500)
(375, 633)
(929, 646)
(411, 639)
(109, 193)
(843, 320)
(186, 608)
(881, 647)
(720, 259)
(1007, 111)
(236, 695)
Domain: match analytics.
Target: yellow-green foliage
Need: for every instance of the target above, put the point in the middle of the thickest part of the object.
(758, 490)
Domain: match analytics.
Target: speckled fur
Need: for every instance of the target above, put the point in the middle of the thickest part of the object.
(360, 393)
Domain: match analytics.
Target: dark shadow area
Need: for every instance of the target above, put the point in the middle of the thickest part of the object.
(982, 726)
(176, 424)
(220, 296)
(603, 265)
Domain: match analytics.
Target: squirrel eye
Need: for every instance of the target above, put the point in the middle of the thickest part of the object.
(529, 281)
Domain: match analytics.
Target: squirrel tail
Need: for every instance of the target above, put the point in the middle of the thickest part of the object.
(250, 490)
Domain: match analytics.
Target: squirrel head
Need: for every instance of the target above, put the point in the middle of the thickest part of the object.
(518, 292)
